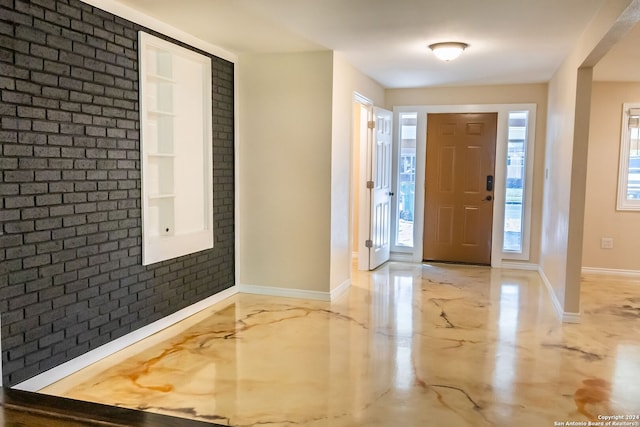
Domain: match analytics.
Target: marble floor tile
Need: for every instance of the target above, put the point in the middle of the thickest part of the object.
(406, 345)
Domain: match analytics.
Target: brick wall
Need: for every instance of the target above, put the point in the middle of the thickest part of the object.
(71, 277)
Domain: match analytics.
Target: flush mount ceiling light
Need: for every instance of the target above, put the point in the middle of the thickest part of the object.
(448, 51)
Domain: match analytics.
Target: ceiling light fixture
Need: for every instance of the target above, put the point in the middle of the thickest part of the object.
(448, 51)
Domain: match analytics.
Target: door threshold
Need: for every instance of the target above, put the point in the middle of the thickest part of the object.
(469, 264)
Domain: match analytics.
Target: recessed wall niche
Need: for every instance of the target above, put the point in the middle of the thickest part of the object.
(176, 150)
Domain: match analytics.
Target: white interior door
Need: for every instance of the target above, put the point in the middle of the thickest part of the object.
(379, 186)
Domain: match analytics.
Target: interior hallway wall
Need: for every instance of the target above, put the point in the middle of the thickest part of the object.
(346, 81)
(601, 217)
(295, 168)
(71, 277)
(284, 161)
(567, 139)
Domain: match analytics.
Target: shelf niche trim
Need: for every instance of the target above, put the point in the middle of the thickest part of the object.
(175, 150)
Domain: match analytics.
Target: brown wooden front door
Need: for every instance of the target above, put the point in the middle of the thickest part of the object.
(459, 187)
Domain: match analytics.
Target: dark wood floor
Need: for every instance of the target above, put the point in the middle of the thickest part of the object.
(22, 409)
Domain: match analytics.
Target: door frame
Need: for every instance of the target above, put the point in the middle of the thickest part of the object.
(362, 146)
(361, 140)
(464, 194)
(497, 255)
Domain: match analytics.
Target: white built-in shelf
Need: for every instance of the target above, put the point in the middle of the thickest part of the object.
(177, 178)
(161, 113)
(161, 155)
(160, 78)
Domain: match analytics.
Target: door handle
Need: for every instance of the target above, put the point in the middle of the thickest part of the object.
(489, 182)
(390, 193)
(489, 198)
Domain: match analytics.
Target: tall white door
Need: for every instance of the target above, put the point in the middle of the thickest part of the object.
(379, 186)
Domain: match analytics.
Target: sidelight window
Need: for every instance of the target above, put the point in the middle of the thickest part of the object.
(513, 178)
(406, 179)
(515, 181)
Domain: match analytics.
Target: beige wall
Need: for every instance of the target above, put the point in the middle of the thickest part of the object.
(284, 170)
(346, 81)
(294, 167)
(601, 217)
(502, 94)
(557, 183)
(567, 135)
(462, 95)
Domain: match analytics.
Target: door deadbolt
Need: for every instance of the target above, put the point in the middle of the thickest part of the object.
(489, 182)
(489, 198)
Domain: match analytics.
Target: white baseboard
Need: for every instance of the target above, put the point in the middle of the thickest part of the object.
(569, 317)
(402, 257)
(340, 289)
(516, 265)
(295, 293)
(55, 374)
(284, 292)
(565, 316)
(611, 272)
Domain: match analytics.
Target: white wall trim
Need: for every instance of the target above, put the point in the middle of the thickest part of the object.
(564, 316)
(569, 317)
(126, 12)
(554, 299)
(55, 374)
(622, 203)
(611, 272)
(285, 292)
(340, 289)
(519, 265)
(402, 257)
(363, 209)
(296, 293)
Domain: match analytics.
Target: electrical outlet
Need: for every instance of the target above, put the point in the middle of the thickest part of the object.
(606, 243)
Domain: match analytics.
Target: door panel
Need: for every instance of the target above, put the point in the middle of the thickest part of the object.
(458, 201)
(473, 170)
(444, 225)
(446, 169)
(380, 235)
(470, 236)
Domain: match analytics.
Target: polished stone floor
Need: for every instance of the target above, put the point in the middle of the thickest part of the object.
(407, 345)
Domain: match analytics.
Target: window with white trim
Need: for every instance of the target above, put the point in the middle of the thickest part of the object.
(517, 136)
(515, 148)
(406, 179)
(629, 170)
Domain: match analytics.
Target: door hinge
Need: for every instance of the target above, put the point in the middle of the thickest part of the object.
(370, 184)
(368, 243)
(371, 124)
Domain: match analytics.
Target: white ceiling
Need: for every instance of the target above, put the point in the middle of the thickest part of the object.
(511, 41)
